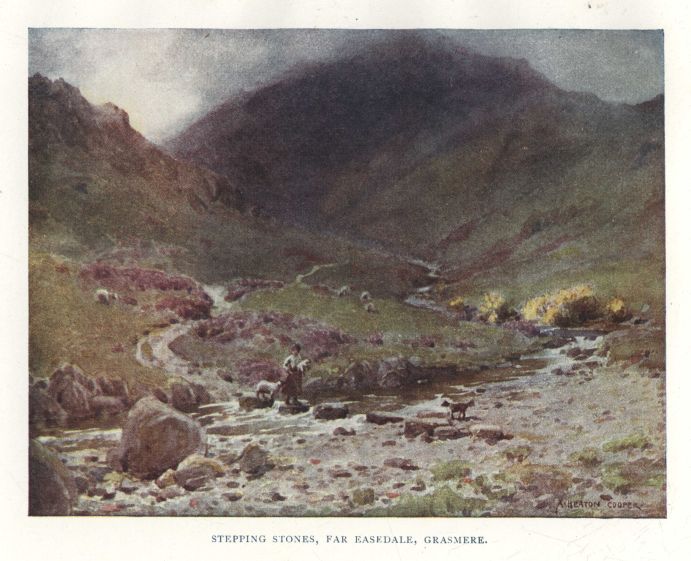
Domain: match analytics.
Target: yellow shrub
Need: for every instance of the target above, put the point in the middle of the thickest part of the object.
(568, 306)
(494, 307)
(617, 310)
(457, 302)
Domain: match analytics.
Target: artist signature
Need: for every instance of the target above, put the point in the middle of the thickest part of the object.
(603, 501)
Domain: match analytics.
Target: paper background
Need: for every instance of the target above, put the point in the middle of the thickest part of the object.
(171, 539)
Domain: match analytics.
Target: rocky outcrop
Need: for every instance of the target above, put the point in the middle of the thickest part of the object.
(43, 408)
(255, 460)
(73, 390)
(51, 487)
(155, 438)
(186, 396)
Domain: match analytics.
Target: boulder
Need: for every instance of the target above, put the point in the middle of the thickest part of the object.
(449, 433)
(360, 375)
(114, 387)
(411, 429)
(187, 397)
(490, 433)
(43, 408)
(52, 490)
(107, 405)
(394, 373)
(382, 418)
(73, 390)
(255, 460)
(167, 479)
(195, 471)
(330, 411)
(342, 431)
(155, 438)
(293, 408)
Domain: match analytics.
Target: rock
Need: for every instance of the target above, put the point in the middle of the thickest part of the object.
(389, 443)
(187, 397)
(255, 460)
(490, 433)
(400, 463)
(225, 375)
(166, 479)
(557, 342)
(558, 372)
(114, 387)
(43, 408)
(73, 390)
(277, 497)
(336, 473)
(155, 438)
(250, 402)
(293, 408)
(360, 375)
(382, 418)
(159, 394)
(51, 487)
(419, 486)
(450, 433)
(195, 471)
(363, 496)
(342, 431)
(107, 405)
(330, 411)
(233, 496)
(432, 414)
(394, 373)
(412, 428)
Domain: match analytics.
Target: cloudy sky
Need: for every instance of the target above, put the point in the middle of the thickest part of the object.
(166, 78)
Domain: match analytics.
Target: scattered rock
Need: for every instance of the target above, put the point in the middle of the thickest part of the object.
(166, 479)
(43, 408)
(490, 433)
(342, 431)
(432, 414)
(389, 443)
(330, 411)
(277, 497)
(155, 438)
(232, 497)
(382, 418)
(450, 433)
(412, 429)
(335, 473)
(51, 487)
(195, 471)
(107, 405)
(255, 460)
(400, 463)
(419, 486)
(293, 408)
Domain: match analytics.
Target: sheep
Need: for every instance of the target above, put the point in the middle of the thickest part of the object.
(343, 291)
(369, 308)
(266, 391)
(104, 296)
(365, 296)
(459, 408)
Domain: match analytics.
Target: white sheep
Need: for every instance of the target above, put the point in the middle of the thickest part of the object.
(104, 296)
(365, 296)
(343, 291)
(266, 391)
(369, 308)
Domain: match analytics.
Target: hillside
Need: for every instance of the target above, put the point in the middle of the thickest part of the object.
(99, 190)
(477, 163)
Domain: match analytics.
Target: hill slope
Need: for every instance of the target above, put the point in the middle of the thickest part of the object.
(475, 162)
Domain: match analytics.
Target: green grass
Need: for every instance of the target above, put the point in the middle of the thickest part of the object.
(441, 502)
(588, 457)
(454, 469)
(633, 441)
(67, 325)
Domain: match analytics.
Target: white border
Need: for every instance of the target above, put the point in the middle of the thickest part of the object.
(168, 539)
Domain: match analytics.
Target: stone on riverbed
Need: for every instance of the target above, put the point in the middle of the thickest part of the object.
(293, 408)
(330, 411)
(51, 487)
(490, 433)
(195, 471)
(401, 463)
(155, 438)
(450, 433)
(255, 460)
(415, 428)
(382, 418)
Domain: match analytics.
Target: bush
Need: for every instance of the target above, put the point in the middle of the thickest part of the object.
(588, 457)
(457, 303)
(454, 469)
(564, 308)
(636, 440)
(617, 310)
(494, 308)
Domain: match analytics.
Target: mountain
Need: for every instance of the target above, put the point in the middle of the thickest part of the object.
(99, 189)
(475, 162)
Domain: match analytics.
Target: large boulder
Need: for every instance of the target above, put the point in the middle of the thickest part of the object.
(51, 487)
(330, 411)
(413, 428)
(73, 390)
(155, 438)
(394, 373)
(43, 408)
